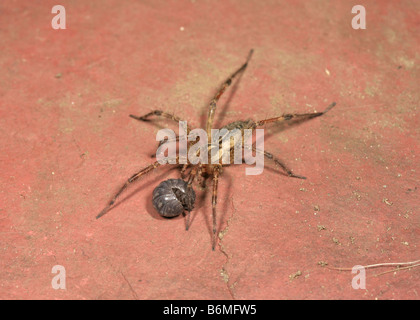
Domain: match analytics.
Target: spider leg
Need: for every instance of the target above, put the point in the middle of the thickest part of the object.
(193, 173)
(200, 179)
(227, 83)
(129, 181)
(183, 169)
(157, 113)
(163, 114)
(166, 140)
(216, 173)
(278, 162)
(284, 118)
(167, 115)
(162, 142)
(294, 116)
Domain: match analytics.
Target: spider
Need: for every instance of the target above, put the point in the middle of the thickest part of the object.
(175, 196)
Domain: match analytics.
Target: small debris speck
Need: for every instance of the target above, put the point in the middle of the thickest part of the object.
(357, 195)
(224, 275)
(321, 227)
(387, 202)
(295, 275)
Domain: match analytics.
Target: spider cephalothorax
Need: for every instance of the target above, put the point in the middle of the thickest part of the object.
(175, 196)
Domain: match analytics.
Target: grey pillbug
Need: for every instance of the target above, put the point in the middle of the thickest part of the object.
(170, 198)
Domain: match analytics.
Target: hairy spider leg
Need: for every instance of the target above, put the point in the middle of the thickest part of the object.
(294, 116)
(163, 114)
(287, 117)
(162, 142)
(160, 113)
(157, 113)
(277, 161)
(193, 173)
(132, 179)
(200, 178)
(216, 172)
(171, 117)
(183, 169)
(213, 102)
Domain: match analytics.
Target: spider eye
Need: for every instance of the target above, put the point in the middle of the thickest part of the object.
(170, 198)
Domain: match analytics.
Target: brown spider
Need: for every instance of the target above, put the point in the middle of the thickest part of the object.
(175, 196)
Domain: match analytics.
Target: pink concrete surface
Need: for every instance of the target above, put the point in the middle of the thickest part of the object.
(67, 145)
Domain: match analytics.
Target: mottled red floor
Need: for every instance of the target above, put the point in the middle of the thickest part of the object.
(68, 145)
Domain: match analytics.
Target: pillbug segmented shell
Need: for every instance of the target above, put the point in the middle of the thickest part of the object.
(170, 198)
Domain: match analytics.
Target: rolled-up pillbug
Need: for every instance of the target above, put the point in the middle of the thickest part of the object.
(170, 198)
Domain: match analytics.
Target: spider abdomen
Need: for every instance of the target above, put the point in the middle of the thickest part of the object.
(171, 197)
